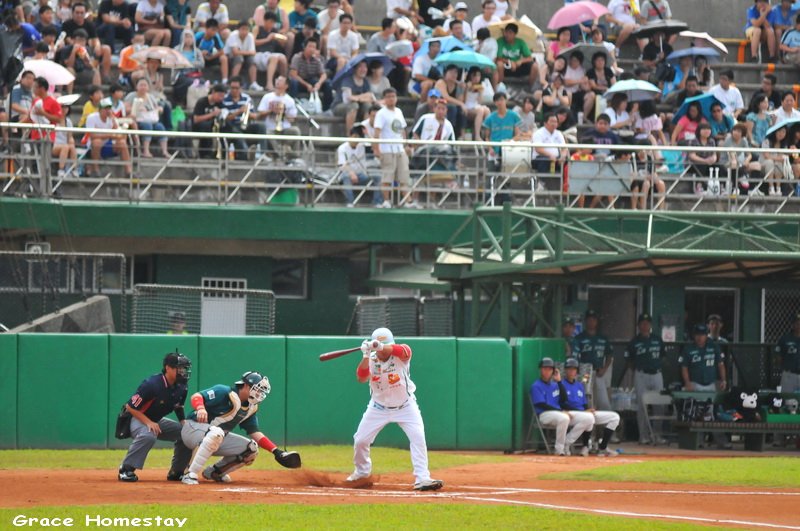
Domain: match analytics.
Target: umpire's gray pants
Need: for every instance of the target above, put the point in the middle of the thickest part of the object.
(144, 440)
(790, 382)
(643, 383)
(232, 446)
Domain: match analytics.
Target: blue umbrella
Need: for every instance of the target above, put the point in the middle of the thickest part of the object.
(705, 101)
(449, 44)
(635, 89)
(347, 71)
(464, 59)
(695, 51)
(781, 125)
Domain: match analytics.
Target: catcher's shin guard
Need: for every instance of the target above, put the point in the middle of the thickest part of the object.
(231, 464)
(208, 446)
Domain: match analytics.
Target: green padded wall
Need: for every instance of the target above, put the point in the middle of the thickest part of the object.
(223, 360)
(527, 354)
(132, 358)
(484, 383)
(66, 375)
(8, 390)
(325, 402)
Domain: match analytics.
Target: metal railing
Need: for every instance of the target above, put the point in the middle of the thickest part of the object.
(458, 174)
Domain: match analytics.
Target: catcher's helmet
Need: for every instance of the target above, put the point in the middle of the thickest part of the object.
(571, 363)
(259, 386)
(180, 362)
(547, 362)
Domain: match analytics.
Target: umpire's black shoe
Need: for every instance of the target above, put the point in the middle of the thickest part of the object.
(174, 476)
(128, 474)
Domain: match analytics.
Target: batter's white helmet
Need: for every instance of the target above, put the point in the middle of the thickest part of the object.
(384, 335)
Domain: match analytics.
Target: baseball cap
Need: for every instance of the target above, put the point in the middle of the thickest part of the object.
(700, 329)
(547, 362)
(645, 317)
(461, 5)
(714, 317)
(106, 103)
(572, 362)
(434, 93)
(591, 313)
(177, 316)
(568, 320)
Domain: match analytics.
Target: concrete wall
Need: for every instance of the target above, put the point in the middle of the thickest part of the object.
(721, 18)
(92, 316)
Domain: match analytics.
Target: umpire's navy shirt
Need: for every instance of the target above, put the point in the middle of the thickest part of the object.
(157, 399)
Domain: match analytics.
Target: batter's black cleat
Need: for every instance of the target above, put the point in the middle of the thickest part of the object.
(174, 476)
(128, 474)
(431, 484)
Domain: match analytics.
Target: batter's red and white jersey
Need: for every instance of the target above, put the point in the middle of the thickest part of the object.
(390, 381)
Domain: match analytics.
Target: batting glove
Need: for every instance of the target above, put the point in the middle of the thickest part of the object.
(366, 347)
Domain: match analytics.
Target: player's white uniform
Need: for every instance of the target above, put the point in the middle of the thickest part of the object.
(392, 400)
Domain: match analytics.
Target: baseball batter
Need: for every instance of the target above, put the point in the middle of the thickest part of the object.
(217, 411)
(387, 368)
(156, 397)
(573, 400)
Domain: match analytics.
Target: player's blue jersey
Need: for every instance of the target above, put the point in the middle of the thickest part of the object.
(223, 411)
(545, 393)
(574, 395)
(156, 398)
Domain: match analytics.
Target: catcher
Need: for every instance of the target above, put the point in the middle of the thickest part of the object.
(217, 411)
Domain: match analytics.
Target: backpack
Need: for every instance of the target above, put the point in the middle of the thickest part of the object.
(665, 72)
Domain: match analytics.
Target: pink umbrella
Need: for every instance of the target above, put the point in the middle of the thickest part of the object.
(575, 13)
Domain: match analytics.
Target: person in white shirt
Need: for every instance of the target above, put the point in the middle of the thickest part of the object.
(150, 20)
(460, 13)
(786, 111)
(402, 8)
(328, 19)
(241, 50)
(343, 44)
(435, 126)
(107, 145)
(277, 107)
(390, 124)
(486, 45)
(621, 17)
(351, 158)
(545, 159)
(729, 95)
(386, 367)
(487, 17)
(218, 11)
(421, 82)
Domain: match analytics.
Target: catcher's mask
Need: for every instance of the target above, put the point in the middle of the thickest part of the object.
(181, 363)
(259, 386)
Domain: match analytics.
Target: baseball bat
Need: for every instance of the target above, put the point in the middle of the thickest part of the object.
(337, 354)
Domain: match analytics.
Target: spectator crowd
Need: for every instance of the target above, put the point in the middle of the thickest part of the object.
(158, 66)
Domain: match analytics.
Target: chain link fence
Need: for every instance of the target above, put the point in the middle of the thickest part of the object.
(405, 316)
(780, 306)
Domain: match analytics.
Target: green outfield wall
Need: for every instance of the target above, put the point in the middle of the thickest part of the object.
(472, 391)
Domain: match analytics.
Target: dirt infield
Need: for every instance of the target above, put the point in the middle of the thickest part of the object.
(513, 483)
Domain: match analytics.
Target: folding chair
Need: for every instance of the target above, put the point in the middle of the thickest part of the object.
(543, 432)
(656, 399)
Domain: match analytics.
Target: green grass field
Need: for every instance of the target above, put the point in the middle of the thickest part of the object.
(739, 471)
(324, 458)
(375, 516)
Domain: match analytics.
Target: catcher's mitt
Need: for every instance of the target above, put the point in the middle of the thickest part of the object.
(287, 459)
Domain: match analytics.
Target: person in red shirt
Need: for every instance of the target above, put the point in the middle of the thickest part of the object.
(45, 110)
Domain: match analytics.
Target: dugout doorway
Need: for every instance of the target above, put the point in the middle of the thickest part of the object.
(618, 307)
(702, 302)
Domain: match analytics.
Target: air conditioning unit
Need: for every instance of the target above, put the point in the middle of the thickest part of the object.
(37, 247)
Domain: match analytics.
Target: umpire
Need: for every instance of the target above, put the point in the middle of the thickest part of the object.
(644, 356)
(156, 397)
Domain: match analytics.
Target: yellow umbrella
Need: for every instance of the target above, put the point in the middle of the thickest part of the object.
(528, 32)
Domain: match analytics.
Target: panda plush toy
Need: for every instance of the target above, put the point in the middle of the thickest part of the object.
(748, 408)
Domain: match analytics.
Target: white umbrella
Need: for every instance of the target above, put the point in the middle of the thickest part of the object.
(528, 32)
(54, 73)
(690, 39)
(169, 57)
(398, 49)
(68, 99)
(635, 89)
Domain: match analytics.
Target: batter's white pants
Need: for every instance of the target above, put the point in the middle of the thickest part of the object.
(374, 420)
(609, 419)
(601, 386)
(579, 422)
